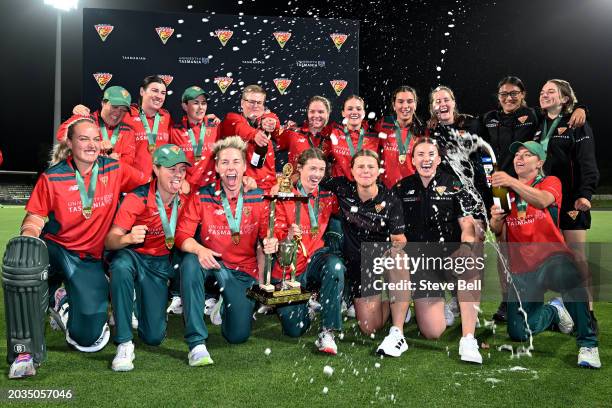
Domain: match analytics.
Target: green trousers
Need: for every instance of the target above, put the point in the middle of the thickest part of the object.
(237, 308)
(324, 273)
(149, 275)
(559, 274)
(86, 289)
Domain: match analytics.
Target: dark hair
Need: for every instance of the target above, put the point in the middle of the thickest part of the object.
(404, 88)
(514, 81)
(312, 153)
(565, 90)
(426, 140)
(348, 98)
(365, 153)
(148, 80)
(322, 99)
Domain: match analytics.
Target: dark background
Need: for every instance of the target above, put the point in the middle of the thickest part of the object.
(401, 42)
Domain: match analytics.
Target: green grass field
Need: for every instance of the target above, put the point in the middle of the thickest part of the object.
(429, 374)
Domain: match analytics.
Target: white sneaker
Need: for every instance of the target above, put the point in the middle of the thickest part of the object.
(215, 313)
(343, 307)
(22, 367)
(566, 324)
(124, 359)
(449, 316)
(176, 306)
(394, 344)
(408, 316)
(326, 343)
(199, 356)
(134, 321)
(589, 357)
(265, 309)
(468, 349)
(350, 312)
(209, 304)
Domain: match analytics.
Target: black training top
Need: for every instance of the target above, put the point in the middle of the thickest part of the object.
(431, 213)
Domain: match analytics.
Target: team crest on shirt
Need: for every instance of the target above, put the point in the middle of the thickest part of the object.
(338, 39)
(166, 78)
(104, 30)
(102, 78)
(282, 84)
(379, 207)
(440, 190)
(104, 179)
(223, 83)
(247, 211)
(224, 35)
(573, 214)
(282, 37)
(562, 130)
(522, 119)
(338, 85)
(382, 135)
(73, 188)
(164, 33)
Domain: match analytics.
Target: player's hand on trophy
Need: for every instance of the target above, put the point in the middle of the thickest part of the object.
(270, 245)
(137, 234)
(207, 258)
(294, 231)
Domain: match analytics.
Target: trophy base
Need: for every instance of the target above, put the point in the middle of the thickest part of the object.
(278, 297)
(293, 284)
(267, 288)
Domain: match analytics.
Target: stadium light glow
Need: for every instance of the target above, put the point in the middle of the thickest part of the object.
(65, 5)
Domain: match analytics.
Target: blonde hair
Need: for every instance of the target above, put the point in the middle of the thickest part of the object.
(60, 150)
(232, 142)
(565, 89)
(253, 89)
(450, 93)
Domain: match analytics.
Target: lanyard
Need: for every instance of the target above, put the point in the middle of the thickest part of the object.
(349, 141)
(151, 136)
(113, 138)
(233, 222)
(521, 205)
(548, 132)
(87, 196)
(197, 147)
(313, 211)
(402, 146)
(169, 227)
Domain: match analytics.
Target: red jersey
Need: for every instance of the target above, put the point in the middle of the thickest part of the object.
(144, 158)
(286, 215)
(236, 124)
(394, 171)
(338, 149)
(297, 140)
(125, 145)
(56, 196)
(537, 236)
(205, 209)
(203, 171)
(140, 208)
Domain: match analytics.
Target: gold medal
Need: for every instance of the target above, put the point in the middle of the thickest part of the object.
(169, 242)
(314, 230)
(236, 238)
(522, 214)
(402, 158)
(87, 212)
(151, 147)
(198, 158)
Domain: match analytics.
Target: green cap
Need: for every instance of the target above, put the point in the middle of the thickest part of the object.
(169, 155)
(193, 92)
(533, 147)
(117, 96)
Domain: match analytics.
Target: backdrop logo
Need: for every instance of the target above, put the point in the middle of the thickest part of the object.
(338, 39)
(282, 84)
(224, 36)
(253, 61)
(102, 78)
(193, 60)
(133, 58)
(164, 33)
(166, 78)
(223, 83)
(338, 85)
(282, 37)
(104, 30)
(311, 64)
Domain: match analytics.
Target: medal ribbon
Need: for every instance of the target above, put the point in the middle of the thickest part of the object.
(548, 132)
(313, 211)
(169, 227)
(311, 143)
(233, 222)
(113, 138)
(402, 146)
(197, 147)
(349, 141)
(87, 196)
(151, 136)
(521, 205)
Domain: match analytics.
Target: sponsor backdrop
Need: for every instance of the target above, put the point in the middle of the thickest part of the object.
(292, 58)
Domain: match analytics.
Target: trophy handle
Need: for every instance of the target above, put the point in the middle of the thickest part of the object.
(268, 262)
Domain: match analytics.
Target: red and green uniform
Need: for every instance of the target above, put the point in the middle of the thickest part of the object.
(236, 124)
(540, 261)
(297, 140)
(316, 267)
(338, 148)
(238, 261)
(202, 171)
(75, 243)
(148, 263)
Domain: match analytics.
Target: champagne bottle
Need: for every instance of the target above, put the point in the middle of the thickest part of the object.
(501, 197)
(259, 154)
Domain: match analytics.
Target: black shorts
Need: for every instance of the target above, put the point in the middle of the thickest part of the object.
(582, 221)
(359, 286)
(424, 284)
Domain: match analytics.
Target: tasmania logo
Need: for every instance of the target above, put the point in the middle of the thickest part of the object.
(164, 33)
(338, 85)
(104, 30)
(167, 79)
(102, 78)
(224, 36)
(338, 39)
(282, 37)
(223, 83)
(282, 84)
